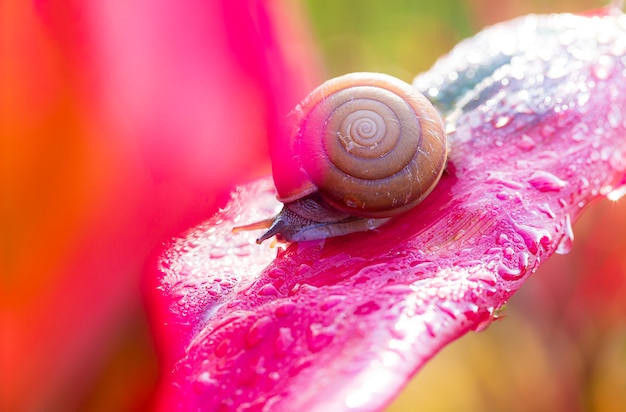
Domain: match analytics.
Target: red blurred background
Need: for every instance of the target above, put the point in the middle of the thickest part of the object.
(124, 123)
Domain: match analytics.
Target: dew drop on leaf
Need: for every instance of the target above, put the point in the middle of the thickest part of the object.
(285, 309)
(268, 290)
(602, 69)
(546, 181)
(548, 130)
(332, 301)
(526, 142)
(222, 348)
(508, 273)
(319, 337)
(204, 383)
(283, 342)
(502, 121)
(276, 273)
(614, 116)
(367, 308)
(546, 210)
(397, 289)
(258, 331)
(567, 241)
(481, 326)
(617, 194)
(523, 259)
(217, 253)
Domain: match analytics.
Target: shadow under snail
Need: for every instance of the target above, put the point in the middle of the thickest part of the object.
(362, 148)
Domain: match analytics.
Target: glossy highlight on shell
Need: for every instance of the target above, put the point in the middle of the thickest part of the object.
(370, 144)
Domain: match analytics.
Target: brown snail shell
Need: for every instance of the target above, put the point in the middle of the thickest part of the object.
(363, 147)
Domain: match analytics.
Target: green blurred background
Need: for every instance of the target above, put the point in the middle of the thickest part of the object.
(398, 37)
(404, 37)
(562, 343)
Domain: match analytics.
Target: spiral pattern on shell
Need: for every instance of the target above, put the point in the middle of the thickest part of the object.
(369, 143)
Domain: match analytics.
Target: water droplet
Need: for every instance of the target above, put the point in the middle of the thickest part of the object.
(304, 269)
(331, 301)
(285, 309)
(503, 196)
(319, 337)
(546, 209)
(508, 273)
(367, 308)
(580, 132)
(258, 330)
(397, 331)
(493, 251)
(302, 289)
(243, 250)
(614, 117)
(523, 259)
(222, 348)
(618, 48)
(283, 341)
(547, 130)
(503, 239)
(526, 142)
(617, 194)
(217, 253)
(546, 181)
(483, 324)
(431, 327)
(276, 273)
(398, 289)
(584, 184)
(433, 92)
(502, 121)
(275, 376)
(204, 383)
(533, 236)
(602, 69)
(566, 242)
(498, 178)
(617, 161)
(468, 263)
(268, 290)
(449, 309)
(557, 71)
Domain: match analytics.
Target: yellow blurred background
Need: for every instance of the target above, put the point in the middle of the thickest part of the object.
(560, 347)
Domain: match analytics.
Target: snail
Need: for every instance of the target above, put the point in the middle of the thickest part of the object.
(362, 148)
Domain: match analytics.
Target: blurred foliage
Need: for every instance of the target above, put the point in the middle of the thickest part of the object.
(387, 36)
(405, 37)
(562, 343)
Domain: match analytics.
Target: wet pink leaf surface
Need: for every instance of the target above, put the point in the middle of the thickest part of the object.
(535, 116)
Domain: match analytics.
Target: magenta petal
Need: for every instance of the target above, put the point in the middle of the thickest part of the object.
(535, 112)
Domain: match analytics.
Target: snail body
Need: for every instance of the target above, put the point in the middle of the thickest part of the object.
(362, 148)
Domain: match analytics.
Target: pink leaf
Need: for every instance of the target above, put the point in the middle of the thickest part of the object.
(535, 115)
